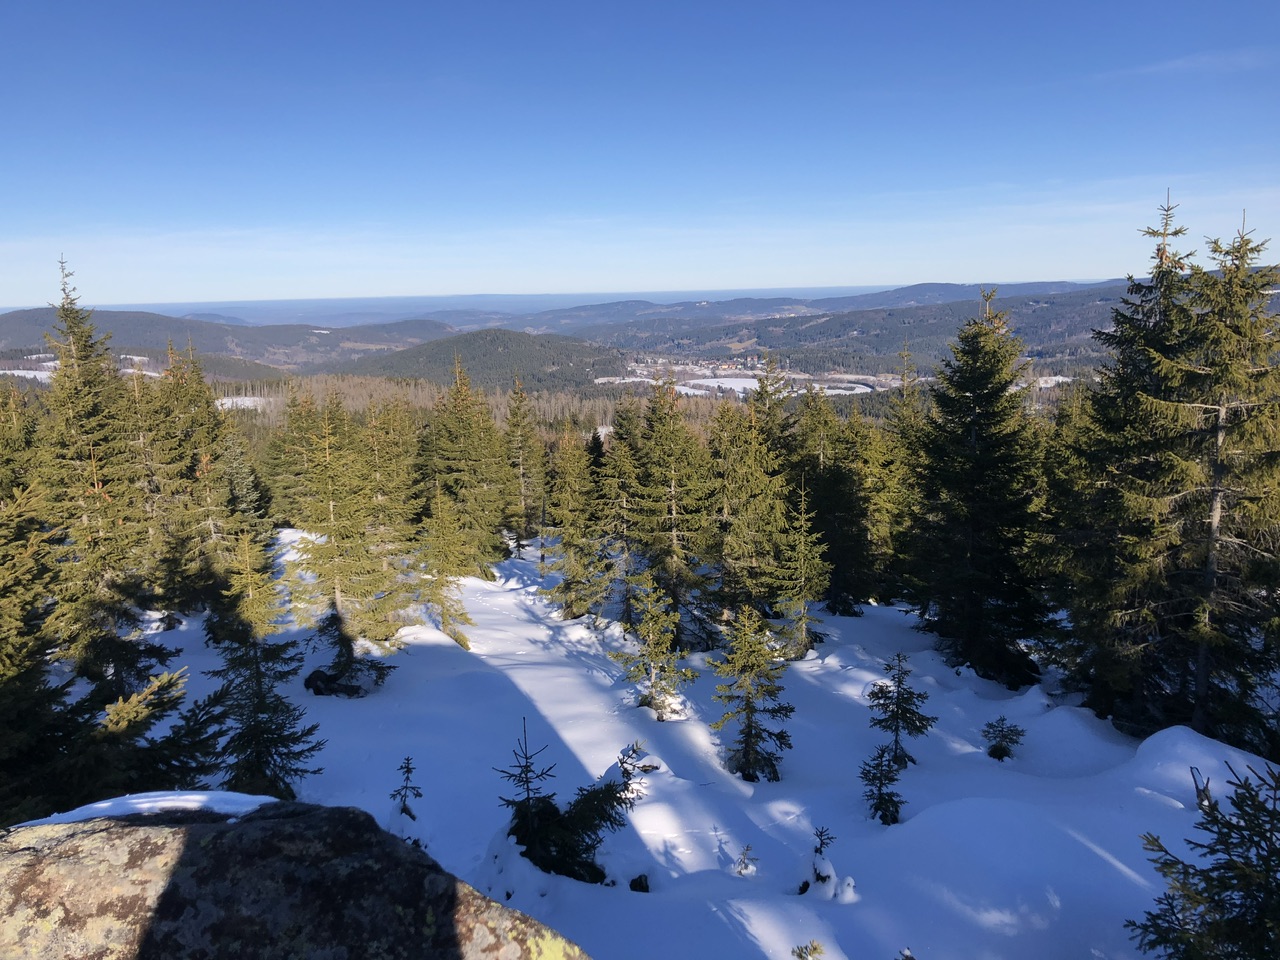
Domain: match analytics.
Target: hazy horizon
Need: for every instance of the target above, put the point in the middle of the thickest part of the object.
(307, 309)
(242, 151)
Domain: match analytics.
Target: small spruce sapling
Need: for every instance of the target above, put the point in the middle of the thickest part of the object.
(1002, 736)
(879, 774)
(898, 707)
(822, 880)
(406, 790)
(746, 863)
(808, 951)
(565, 841)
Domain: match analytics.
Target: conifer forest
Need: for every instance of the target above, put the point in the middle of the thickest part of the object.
(1126, 538)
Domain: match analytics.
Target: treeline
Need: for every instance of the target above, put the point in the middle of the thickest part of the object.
(1128, 539)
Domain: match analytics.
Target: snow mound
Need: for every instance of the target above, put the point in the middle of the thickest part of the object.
(216, 801)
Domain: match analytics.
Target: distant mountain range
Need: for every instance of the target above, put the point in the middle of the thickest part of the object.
(855, 332)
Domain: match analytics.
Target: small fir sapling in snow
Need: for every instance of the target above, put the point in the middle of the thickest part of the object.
(822, 880)
(565, 841)
(745, 865)
(1002, 736)
(898, 707)
(402, 793)
(808, 951)
(879, 774)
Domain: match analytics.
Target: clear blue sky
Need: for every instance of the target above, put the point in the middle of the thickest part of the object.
(184, 150)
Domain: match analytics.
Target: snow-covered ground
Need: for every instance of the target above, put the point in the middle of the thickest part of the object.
(1037, 857)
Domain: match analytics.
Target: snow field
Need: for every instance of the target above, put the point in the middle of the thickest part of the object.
(1039, 856)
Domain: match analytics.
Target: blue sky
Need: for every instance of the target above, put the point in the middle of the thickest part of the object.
(234, 150)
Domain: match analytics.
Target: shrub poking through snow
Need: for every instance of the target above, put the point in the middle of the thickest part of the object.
(1225, 902)
(1002, 736)
(402, 794)
(822, 882)
(898, 707)
(745, 865)
(565, 841)
(879, 774)
(808, 951)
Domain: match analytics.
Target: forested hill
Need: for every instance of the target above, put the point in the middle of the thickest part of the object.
(858, 333)
(286, 345)
(1055, 327)
(494, 358)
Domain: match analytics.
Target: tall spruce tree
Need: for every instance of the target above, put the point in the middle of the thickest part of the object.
(977, 538)
(750, 510)
(461, 456)
(615, 507)
(575, 544)
(801, 577)
(83, 463)
(672, 506)
(43, 730)
(526, 457)
(1178, 620)
(343, 579)
(830, 465)
(447, 556)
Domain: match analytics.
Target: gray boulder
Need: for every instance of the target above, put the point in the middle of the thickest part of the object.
(289, 880)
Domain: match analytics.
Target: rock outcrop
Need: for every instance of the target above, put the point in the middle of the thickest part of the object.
(289, 880)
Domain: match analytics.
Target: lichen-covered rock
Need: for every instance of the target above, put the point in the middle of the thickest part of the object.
(289, 881)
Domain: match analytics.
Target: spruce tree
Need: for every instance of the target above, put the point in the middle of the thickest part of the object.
(750, 510)
(1175, 603)
(898, 709)
(672, 505)
(269, 746)
(447, 556)
(801, 577)
(1223, 903)
(615, 505)
(43, 730)
(461, 456)
(17, 434)
(752, 696)
(344, 568)
(575, 545)
(880, 774)
(832, 464)
(656, 665)
(767, 404)
(977, 550)
(83, 463)
(526, 457)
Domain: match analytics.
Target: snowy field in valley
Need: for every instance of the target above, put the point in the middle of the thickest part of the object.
(1037, 857)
